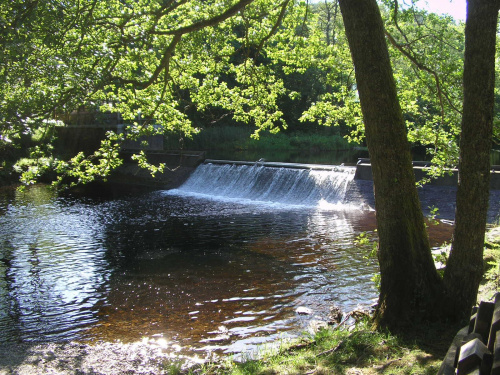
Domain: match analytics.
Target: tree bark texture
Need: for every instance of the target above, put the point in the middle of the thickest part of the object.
(464, 269)
(409, 280)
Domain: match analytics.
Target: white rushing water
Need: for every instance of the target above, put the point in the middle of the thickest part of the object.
(269, 185)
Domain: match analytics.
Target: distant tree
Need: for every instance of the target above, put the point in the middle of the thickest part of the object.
(328, 15)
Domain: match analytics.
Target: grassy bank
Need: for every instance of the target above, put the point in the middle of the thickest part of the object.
(322, 146)
(354, 350)
(359, 349)
(238, 138)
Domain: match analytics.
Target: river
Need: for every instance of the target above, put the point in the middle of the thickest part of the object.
(212, 266)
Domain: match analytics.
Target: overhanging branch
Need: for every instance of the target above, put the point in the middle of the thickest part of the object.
(276, 24)
(211, 21)
(163, 65)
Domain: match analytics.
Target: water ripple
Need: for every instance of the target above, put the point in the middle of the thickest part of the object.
(157, 265)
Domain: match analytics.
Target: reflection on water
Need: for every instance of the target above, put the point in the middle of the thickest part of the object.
(53, 271)
(202, 274)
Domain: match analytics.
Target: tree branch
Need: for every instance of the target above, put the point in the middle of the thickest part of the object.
(276, 25)
(209, 22)
(421, 67)
(163, 65)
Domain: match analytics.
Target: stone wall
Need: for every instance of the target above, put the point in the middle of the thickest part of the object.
(364, 172)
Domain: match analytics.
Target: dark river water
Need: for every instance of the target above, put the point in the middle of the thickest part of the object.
(200, 271)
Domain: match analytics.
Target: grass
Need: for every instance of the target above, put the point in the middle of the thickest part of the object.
(360, 349)
(349, 350)
(238, 138)
(491, 281)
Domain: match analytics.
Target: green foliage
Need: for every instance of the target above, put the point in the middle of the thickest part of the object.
(81, 169)
(298, 141)
(146, 58)
(440, 257)
(493, 272)
(237, 138)
(31, 169)
(210, 138)
(338, 105)
(181, 67)
(492, 266)
(428, 60)
(339, 351)
(143, 163)
(433, 214)
(36, 165)
(367, 242)
(362, 239)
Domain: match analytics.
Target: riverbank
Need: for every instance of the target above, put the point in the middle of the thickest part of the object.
(144, 358)
(347, 349)
(360, 350)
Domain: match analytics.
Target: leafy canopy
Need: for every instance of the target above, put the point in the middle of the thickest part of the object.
(159, 59)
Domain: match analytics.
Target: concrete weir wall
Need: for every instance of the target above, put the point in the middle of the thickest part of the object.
(364, 172)
(181, 163)
(179, 166)
(275, 164)
(440, 193)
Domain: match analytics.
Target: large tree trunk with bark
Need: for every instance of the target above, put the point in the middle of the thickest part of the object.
(409, 281)
(464, 270)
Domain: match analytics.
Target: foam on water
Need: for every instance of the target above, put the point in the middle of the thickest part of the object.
(263, 185)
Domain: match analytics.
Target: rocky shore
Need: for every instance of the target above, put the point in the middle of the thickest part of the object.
(109, 358)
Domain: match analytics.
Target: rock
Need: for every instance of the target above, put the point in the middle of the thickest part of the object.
(359, 314)
(316, 326)
(493, 235)
(301, 310)
(335, 315)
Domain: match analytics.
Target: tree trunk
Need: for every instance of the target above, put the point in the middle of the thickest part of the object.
(409, 281)
(464, 269)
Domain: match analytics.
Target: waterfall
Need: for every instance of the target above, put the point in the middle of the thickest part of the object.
(264, 184)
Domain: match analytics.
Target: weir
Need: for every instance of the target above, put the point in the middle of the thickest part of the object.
(313, 185)
(363, 170)
(290, 184)
(318, 167)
